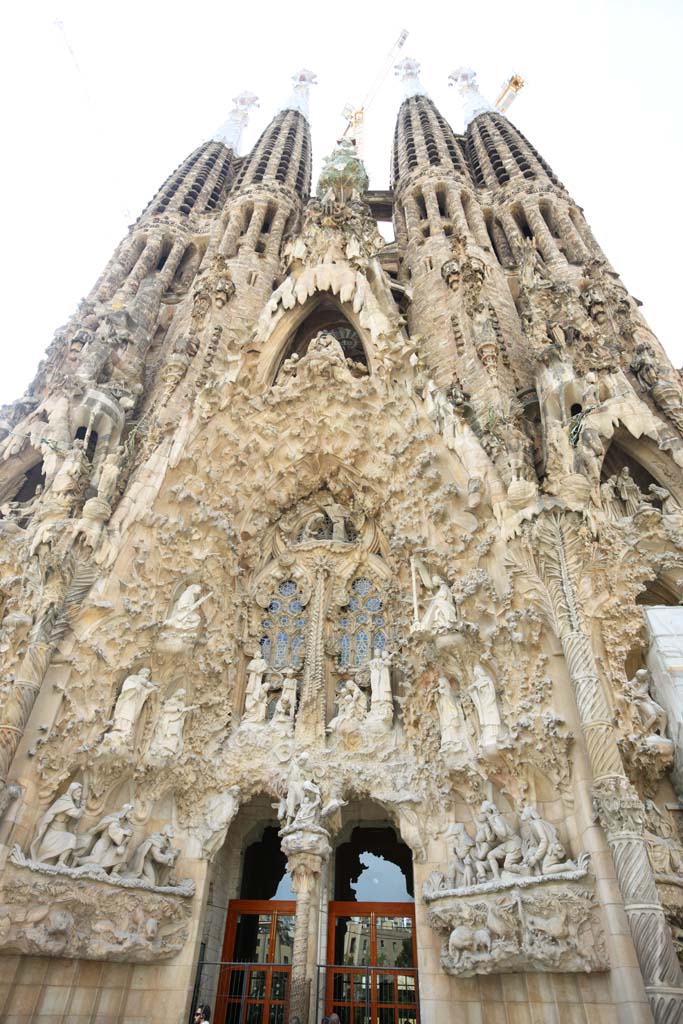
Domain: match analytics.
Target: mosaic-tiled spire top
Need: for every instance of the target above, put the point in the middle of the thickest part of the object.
(408, 72)
(465, 80)
(230, 133)
(299, 100)
(343, 172)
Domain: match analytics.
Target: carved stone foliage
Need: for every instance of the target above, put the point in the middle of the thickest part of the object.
(531, 926)
(56, 916)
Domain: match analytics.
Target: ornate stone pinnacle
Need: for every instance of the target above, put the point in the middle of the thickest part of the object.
(230, 133)
(408, 71)
(302, 81)
(465, 79)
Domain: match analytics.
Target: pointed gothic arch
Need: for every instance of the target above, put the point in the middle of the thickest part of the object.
(323, 311)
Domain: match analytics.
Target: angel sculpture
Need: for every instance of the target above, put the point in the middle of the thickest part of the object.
(440, 613)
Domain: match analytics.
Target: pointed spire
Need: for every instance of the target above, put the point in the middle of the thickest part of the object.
(302, 82)
(230, 133)
(408, 71)
(465, 79)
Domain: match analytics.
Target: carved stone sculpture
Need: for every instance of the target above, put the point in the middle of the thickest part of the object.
(381, 701)
(351, 709)
(55, 839)
(482, 691)
(167, 741)
(218, 812)
(135, 692)
(184, 616)
(451, 719)
(105, 845)
(256, 693)
(153, 859)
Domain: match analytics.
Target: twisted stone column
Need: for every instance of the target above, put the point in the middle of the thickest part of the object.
(307, 849)
(618, 807)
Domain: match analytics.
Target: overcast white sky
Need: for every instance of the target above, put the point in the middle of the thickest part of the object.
(98, 112)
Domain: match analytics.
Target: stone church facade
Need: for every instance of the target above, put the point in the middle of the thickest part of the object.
(340, 605)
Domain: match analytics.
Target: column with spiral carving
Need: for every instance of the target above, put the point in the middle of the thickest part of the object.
(618, 807)
(310, 719)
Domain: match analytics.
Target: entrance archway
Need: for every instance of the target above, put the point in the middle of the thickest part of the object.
(371, 970)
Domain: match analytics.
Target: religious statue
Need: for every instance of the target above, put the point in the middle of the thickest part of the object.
(109, 475)
(441, 613)
(380, 680)
(167, 741)
(504, 843)
(351, 708)
(184, 616)
(70, 474)
(105, 845)
(451, 719)
(217, 815)
(629, 491)
(482, 691)
(135, 691)
(461, 867)
(283, 716)
(310, 807)
(54, 839)
(337, 515)
(543, 851)
(256, 692)
(652, 715)
(289, 804)
(153, 859)
(663, 844)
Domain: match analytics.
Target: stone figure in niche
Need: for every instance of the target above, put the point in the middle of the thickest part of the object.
(67, 482)
(184, 616)
(154, 858)
(532, 270)
(670, 507)
(351, 708)
(663, 844)
(337, 515)
(167, 740)
(105, 845)
(543, 851)
(482, 691)
(289, 804)
(652, 715)
(109, 475)
(380, 680)
(289, 691)
(218, 813)
(645, 367)
(283, 717)
(451, 718)
(461, 867)
(134, 694)
(610, 499)
(629, 491)
(590, 452)
(54, 839)
(309, 810)
(504, 844)
(256, 693)
(441, 613)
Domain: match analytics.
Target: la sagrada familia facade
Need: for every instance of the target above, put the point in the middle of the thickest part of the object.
(340, 581)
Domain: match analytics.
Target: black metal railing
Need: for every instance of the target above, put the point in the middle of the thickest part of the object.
(368, 995)
(256, 993)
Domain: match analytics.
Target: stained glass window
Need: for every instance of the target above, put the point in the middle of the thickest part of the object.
(362, 626)
(283, 627)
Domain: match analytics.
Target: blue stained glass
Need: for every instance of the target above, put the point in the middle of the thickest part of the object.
(362, 586)
(344, 649)
(297, 644)
(266, 623)
(344, 623)
(287, 588)
(284, 620)
(379, 641)
(373, 604)
(295, 606)
(362, 647)
(274, 606)
(281, 646)
(354, 604)
(265, 646)
(361, 618)
(379, 620)
(300, 623)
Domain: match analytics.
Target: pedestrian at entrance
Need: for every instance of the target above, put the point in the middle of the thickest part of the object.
(333, 1019)
(202, 1015)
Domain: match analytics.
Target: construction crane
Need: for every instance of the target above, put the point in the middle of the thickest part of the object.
(355, 116)
(508, 92)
